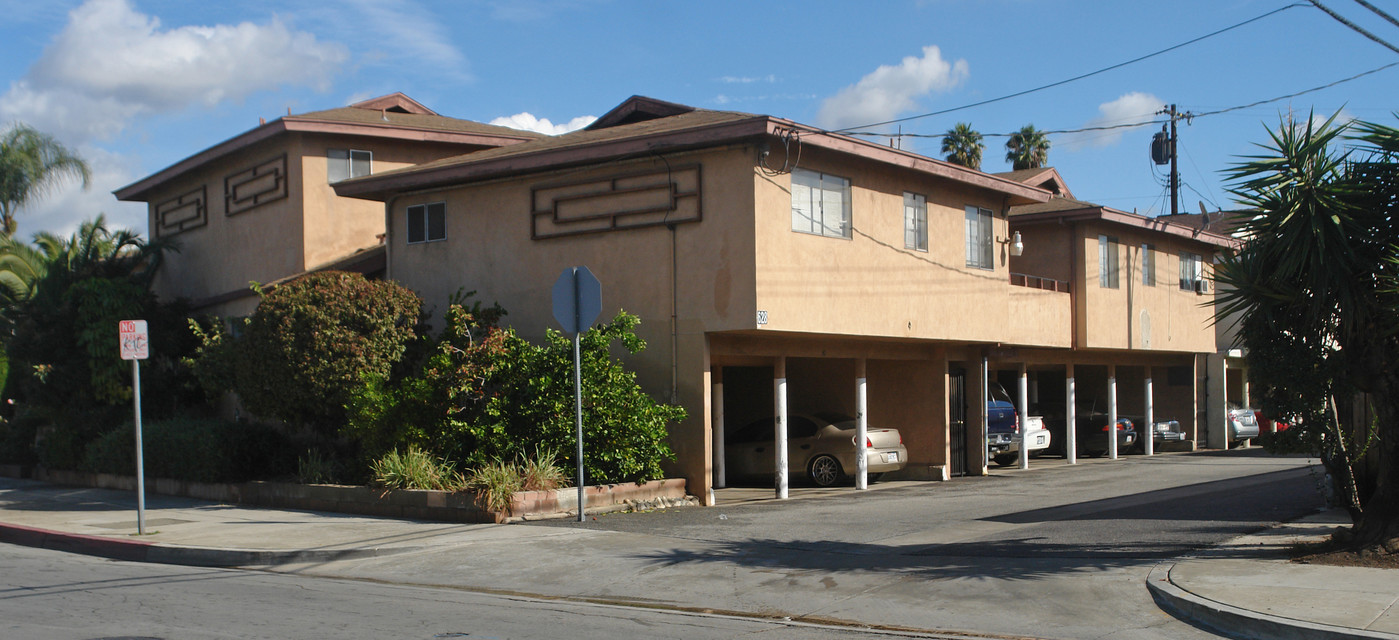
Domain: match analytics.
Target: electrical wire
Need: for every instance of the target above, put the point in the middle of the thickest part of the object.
(1299, 93)
(1377, 10)
(1075, 78)
(1355, 27)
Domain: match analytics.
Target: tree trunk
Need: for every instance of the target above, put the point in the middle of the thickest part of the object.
(1379, 524)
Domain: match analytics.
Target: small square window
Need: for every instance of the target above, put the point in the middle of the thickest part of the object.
(427, 222)
(343, 164)
(820, 204)
(915, 221)
(1192, 272)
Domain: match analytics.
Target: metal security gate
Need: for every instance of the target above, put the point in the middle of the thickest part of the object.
(957, 428)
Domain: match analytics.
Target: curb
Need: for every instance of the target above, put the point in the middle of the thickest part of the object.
(154, 552)
(1237, 622)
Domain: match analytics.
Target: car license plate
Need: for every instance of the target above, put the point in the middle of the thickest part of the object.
(891, 457)
(1039, 439)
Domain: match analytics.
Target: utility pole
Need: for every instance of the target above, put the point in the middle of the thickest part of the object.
(1163, 150)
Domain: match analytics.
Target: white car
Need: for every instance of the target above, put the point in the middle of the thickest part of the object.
(1034, 433)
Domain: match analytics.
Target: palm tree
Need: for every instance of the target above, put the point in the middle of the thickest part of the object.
(31, 165)
(963, 146)
(1027, 148)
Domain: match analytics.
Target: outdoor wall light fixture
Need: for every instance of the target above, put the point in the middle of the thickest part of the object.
(1017, 244)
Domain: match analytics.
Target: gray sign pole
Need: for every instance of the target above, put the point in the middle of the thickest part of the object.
(577, 302)
(140, 461)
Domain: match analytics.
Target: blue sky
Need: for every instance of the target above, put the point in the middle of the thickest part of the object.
(136, 85)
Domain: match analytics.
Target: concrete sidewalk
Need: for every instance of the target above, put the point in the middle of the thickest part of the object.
(1244, 588)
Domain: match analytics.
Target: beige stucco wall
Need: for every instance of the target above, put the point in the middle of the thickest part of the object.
(1158, 318)
(870, 285)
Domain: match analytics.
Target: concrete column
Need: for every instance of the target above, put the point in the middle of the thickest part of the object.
(1112, 411)
(979, 400)
(862, 463)
(779, 370)
(1024, 400)
(716, 409)
(1149, 430)
(1243, 383)
(1070, 416)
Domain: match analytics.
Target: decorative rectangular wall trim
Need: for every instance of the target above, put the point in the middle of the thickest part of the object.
(182, 213)
(616, 203)
(254, 187)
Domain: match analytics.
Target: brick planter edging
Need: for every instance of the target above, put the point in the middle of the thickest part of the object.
(393, 503)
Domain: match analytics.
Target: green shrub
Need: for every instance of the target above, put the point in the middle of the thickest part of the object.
(312, 341)
(495, 483)
(195, 449)
(17, 436)
(317, 468)
(416, 469)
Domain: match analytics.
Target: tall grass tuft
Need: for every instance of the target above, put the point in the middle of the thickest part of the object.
(416, 469)
(542, 472)
(495, 484)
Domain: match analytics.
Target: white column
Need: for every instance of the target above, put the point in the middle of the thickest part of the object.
(716, 409)
(862, 464)
(1070, 417)
(1024, 417)
(1149, 430)
(780, 441)
(985, 393)
(1112, 411)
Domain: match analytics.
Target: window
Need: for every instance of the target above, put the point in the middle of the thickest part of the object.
(979, 241)
(1192, 272)
(915, 222)
(1107, 262)
(342, 164)
(1148, 265)
(427, 222)
(820, 204)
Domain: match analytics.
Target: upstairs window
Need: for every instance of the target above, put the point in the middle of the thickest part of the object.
(1107, 262)
(1148, 265)
(820, 204)
(915, 222)
(980, 244)
(427, 222)
(1192, 272)
(343, 164)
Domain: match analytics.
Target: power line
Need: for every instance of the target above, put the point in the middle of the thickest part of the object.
(1377, 10)
(1075, 78)
(1355, 27)
(1299, 93)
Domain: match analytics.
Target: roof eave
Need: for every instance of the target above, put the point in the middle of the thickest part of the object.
(1105, 214)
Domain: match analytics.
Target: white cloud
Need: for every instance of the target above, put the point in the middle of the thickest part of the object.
(1130, 108)
(415, 35)
(62, 211)
(528, 122)
(111, 64)
(747, 79)
(891, 90)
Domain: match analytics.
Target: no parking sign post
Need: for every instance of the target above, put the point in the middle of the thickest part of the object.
(577, 302)
(136, 346)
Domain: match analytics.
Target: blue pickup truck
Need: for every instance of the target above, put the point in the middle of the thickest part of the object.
(1002, 425)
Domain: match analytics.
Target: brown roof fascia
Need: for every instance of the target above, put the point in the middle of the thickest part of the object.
(1114, 216)
(1019, 193)
(137, 190)
(395, 99)
(409, 179)
(378, 187)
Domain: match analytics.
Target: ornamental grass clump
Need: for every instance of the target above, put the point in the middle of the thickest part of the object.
(542, 472)
(495, 484)
(416, 469)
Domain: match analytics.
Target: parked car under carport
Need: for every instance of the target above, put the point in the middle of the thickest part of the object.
(1090, 432)
(820, 446)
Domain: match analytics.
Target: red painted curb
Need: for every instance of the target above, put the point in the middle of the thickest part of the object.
(133, 550)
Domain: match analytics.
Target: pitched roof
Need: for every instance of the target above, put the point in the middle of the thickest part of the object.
(1042, 177)
(1061, 209)
(642, 126)
(395, 116)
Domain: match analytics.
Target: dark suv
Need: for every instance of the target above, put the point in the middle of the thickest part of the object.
(1002, 422)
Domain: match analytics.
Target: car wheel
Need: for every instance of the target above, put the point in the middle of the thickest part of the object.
(874, 477)
(824, 470)
(1006, 460)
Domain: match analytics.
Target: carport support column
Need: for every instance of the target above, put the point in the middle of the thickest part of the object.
(716, 409)
(1070, 417)
(779, 370)
(1149, 429)
(862, 464)
(1024, 418)
(1112, 411)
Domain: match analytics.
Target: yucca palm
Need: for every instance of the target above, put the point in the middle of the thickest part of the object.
(963, 146)
(1316, 292)
(1027, 148)
(32, 164)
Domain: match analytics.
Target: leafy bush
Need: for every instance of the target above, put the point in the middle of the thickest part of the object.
(485, 394)
(195, 449)
(312, 340)
(17, 437)
(416, 469)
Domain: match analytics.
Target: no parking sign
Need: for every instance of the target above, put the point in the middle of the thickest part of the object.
(135, 342)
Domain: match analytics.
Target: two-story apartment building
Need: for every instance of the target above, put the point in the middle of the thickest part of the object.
(259, 207)
(780, 268)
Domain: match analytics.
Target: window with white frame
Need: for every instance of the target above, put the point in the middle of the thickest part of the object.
(1107, 262)
(820, 204)
(1192, 271)
(1148, 265)
(343, 164)
(915, 221)
(980, 242)
(427, 222)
